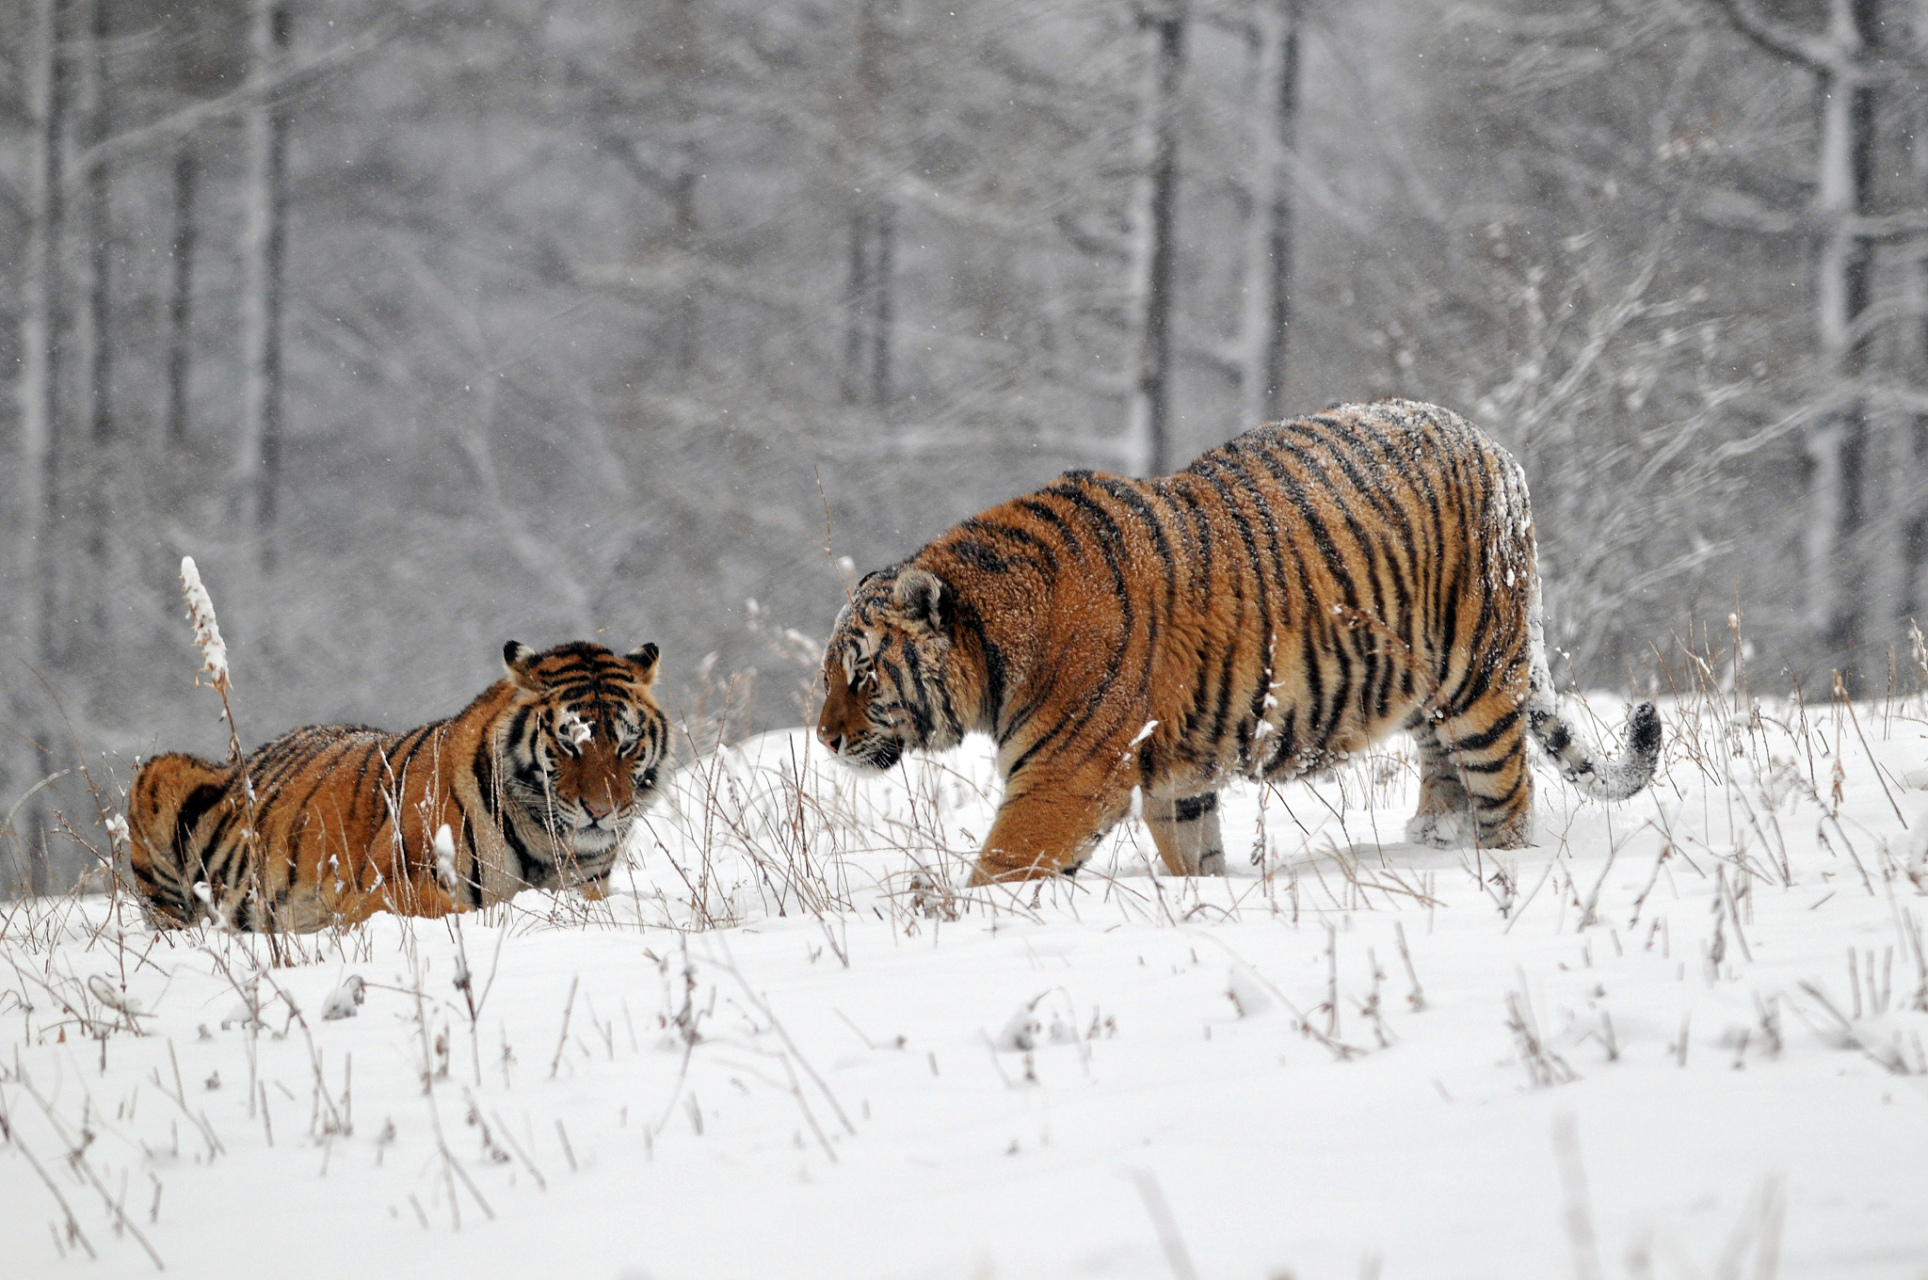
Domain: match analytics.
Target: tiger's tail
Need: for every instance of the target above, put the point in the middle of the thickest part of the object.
(169, 796)
(1615, 779)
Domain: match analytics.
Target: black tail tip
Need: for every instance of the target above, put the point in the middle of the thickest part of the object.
(1643, 731)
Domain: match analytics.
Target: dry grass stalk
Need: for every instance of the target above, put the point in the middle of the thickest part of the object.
(76, 1160)
(1544, 1067)
(214, 664)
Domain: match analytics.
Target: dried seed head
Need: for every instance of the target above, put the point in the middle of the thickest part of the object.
(207, 631)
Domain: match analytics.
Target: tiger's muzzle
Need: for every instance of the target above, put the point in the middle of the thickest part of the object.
(846, 729)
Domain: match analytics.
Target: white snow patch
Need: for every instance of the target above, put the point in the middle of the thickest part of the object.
(777, 1022)
(346, 1000)
(445, 857)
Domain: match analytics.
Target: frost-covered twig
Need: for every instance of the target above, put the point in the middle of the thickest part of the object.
(207, 629)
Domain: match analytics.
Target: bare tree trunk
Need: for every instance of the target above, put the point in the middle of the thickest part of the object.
(680, 62)
(1834, 571)
(1265, 324)
(38, 477)
(1837, 576)
(180, 305)
(40, 306)
(867, 306)
(93, 340)
(689, 314)
(1913, 549)
(1153, 240)
(867, 294)
(856, 296)
(880, 312)
(258, 453)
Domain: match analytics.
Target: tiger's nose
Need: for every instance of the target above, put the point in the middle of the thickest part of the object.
(596, 809)
(832, 740)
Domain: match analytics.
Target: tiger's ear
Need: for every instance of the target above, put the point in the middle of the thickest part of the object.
(919, 595)
(643, 659)
(517, 656)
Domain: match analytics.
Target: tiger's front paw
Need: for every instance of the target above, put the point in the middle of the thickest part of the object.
(993, 871)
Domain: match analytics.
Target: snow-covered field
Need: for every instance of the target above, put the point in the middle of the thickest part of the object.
(1683, 1037)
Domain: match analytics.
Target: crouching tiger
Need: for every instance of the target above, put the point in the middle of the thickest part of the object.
(538, 781)
(1287, 599)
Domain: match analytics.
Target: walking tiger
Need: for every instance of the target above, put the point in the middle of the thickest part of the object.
(1289, 598)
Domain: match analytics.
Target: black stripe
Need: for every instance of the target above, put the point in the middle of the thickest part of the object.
(1192, 808)
(1043, 511)
(1492, 733)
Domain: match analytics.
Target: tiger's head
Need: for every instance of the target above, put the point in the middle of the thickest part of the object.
(581, 746)
(889, 671)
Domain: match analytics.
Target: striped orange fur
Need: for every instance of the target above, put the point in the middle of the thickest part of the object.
(538, 781)
(1289, 598)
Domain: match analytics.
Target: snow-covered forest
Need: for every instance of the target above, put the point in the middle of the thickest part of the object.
(426, 326)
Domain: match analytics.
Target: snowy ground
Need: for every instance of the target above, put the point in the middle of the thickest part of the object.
(1683, 1037)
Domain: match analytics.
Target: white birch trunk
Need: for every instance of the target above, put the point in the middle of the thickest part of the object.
(1153, 247)
(1911, 524)
(1835, 580)
(257, 452)
(1836, 577)
(92, 344)
(38, 476)
(1264, 323)
(93, 339)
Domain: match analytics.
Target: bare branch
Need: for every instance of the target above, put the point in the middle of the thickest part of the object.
(1889, 228)
(623, 151)
(178, 124)
(1814, 51)
(1097, 244)
(1739, 211)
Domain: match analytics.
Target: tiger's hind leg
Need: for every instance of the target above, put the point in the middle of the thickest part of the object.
(1186, 834)
(1444, 819)
(1481, 763)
